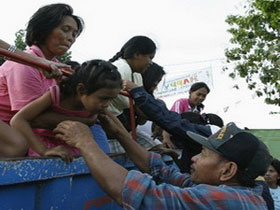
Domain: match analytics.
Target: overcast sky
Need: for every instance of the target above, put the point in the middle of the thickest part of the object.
(190, 34)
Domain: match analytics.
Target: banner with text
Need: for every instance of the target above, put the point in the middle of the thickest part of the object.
(177, 84)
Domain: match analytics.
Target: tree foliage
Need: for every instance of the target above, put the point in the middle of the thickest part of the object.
(19, 41)
(20, 44)
(256, 48)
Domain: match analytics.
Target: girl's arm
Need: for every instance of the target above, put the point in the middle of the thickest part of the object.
(50, 119)
(21, 121)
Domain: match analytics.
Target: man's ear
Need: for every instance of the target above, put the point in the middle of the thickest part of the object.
(228, 171)
(80, 89)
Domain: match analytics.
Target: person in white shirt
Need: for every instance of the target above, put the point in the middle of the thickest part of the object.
(272, 178)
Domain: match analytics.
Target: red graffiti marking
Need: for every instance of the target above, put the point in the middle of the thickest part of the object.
(97, 202)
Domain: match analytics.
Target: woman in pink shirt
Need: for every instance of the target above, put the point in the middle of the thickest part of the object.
(51, 31)
(197, 95)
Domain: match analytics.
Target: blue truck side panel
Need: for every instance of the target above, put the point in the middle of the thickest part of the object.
(50, 184)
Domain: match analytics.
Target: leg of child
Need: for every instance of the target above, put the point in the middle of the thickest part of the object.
(12, 143)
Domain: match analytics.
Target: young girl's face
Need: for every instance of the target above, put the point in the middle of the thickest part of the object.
(142, 62)
(198, 96)
(99, 100)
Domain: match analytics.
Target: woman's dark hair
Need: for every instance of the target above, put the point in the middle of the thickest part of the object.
(199, 85)
(276, 165)
(48, 17)
(137, 44)
(153, 74)
(94, 75)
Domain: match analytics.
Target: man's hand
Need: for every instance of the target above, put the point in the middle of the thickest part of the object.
(60, 151)
(128, 85)
(74, 133)
(110, 124)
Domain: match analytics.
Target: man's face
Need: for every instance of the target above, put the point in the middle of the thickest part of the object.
(206, 167)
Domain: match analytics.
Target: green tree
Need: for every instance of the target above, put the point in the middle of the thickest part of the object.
(256, 48)
(20, 44)
(66, 57)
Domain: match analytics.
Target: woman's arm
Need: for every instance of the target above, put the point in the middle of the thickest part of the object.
(55, 73)
(4, 45)
(21, 121)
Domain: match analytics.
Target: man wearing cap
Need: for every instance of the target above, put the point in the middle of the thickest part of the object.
(222, 175)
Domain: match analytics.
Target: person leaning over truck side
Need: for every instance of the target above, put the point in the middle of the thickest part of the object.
(51, 31)
(222, 175)
(134, 58)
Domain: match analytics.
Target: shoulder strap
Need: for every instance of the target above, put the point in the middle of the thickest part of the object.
(55, 94)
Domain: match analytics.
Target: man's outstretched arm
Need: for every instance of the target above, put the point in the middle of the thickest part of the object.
(139, 155)
(108, 174)
(158, 113)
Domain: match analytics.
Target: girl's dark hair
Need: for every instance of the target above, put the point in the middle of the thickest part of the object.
(153, 74)
(94, 75)
(137, 44)
(199, 85)
(48, 17)
(74, 65)
(276, 165)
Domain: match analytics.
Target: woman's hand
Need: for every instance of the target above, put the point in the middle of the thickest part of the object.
(166, 141)
(56, 72)
(165, 151)
(60, 151)
(128, 85)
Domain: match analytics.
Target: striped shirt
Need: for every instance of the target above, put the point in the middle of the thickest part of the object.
(166, 188)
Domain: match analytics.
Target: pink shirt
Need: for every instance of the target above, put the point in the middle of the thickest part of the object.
(48, 136)
(20, 84)
(182, 105)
